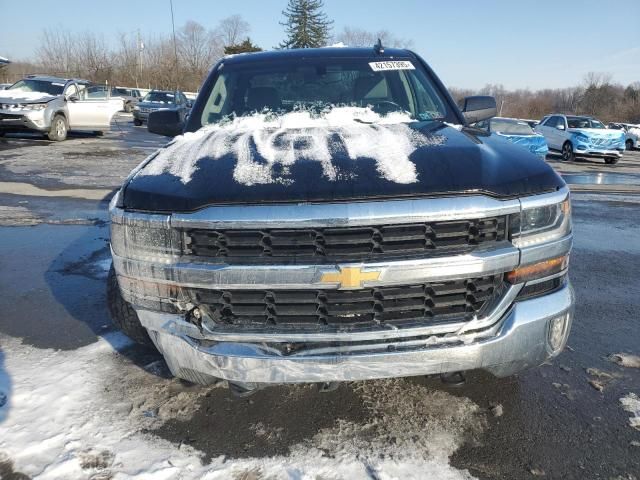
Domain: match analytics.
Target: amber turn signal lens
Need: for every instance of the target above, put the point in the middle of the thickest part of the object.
(537, 270)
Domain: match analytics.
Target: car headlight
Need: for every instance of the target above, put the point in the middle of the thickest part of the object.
(144, 237)
(581, 136)
(136, 108)
(541, 223)
(33, 106)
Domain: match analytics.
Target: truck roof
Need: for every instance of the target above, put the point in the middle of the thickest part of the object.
(325, 52)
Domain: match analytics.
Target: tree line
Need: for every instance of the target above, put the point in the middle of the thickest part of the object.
(158, 62)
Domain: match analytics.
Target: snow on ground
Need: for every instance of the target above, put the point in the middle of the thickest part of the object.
(631, 403)
(80, 414)
(263, 140)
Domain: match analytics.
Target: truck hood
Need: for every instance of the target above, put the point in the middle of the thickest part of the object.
(18, 96)
(298, 159)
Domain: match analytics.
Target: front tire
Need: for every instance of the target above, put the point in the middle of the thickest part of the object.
(567, 152)
(122, 313)
(629, 144)
(137, 122)
(610, 160)
(59, 128)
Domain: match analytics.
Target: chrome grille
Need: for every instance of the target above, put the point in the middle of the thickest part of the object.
(346, 243)
(430, 303)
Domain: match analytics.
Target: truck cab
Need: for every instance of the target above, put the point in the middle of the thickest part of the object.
(329, 215)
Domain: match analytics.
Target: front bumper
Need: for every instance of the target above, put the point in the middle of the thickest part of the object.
(596, 152)
(519, 340)
(20, 122)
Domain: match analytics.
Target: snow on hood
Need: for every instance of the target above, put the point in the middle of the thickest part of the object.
(263, 140)
(23, 96)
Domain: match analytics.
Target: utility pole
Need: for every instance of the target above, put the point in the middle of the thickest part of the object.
(140, 47)
(175, 45)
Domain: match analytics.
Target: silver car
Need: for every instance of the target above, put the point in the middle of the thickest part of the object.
(54, 106)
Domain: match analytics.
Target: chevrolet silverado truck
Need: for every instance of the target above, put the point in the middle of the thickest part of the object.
(327, 215)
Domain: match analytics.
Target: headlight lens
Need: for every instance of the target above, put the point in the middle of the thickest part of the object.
(541, 224)
(34, 106)
(581, 136)
(149, 239)
(136, 107)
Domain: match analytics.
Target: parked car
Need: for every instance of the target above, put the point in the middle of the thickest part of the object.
(328, 216)
(161, 100)
(631, 134)
(130, 97)
(518, 132)
(54, 106)
(582, 136)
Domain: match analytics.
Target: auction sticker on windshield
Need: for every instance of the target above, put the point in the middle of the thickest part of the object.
(391, 65)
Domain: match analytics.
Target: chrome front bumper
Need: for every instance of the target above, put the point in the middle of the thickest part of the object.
(519, 340)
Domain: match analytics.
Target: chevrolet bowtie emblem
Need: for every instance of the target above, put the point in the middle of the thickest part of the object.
(349, 277)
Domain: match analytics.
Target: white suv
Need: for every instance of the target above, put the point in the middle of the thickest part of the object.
(581, 136)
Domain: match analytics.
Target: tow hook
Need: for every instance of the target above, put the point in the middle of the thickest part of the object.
(455, 379)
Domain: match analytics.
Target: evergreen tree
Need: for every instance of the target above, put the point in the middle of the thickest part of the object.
(307, 26)
(242, 47)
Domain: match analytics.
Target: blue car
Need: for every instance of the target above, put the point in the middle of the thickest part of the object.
(518, 132)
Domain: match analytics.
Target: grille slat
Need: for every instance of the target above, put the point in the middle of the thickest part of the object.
(346, 243)
(432, 302)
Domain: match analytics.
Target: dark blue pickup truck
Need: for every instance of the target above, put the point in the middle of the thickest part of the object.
(328, 215)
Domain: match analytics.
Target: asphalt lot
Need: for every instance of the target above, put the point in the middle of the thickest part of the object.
(562, 420)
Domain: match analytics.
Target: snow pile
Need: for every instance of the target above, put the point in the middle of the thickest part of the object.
(631, 403)
(78, 414)
(23, 96)
(261, 141)
(625, 360)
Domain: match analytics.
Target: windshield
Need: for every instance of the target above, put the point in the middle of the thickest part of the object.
(596, 124)
(580, 122)
(159, 97)
(43, 86)
(391, 86)
(510, 127)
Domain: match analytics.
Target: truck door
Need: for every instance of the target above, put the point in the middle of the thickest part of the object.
(92, 108)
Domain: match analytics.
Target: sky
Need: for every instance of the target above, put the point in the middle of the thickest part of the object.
(519, 44)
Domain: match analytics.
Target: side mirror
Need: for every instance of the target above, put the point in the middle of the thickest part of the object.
(73, 98)
(165, 122)
(560, 126)
(478, 108)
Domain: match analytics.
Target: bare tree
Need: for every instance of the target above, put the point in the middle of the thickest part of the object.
(232, 30)
(56, 53)
(357, 37)
(199, 48)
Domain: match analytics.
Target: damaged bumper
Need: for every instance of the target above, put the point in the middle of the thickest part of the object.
(520, 339)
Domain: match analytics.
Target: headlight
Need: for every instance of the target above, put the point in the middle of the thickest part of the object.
(144, 237)
(541, 223)
(136, 107)
(581, 136)
(34, 106)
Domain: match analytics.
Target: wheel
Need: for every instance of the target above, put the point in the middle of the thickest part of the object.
(137, 122)
(58, 129)
(629, 144)
(610, 160)
(122, 313)
(567, 152)
(98, 133)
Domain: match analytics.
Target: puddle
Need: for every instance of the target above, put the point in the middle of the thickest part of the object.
(601, 179)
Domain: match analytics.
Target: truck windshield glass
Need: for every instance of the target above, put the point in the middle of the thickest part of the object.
(43, 86)
(511, 127)
(283, 87)
(159, 97)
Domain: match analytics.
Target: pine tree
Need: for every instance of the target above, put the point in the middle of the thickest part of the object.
(307, 26)
(242, 47)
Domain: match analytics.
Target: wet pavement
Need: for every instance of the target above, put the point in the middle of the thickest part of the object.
(552, 421)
